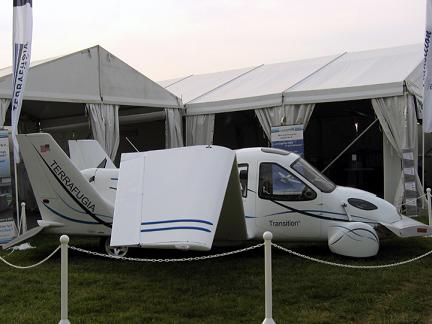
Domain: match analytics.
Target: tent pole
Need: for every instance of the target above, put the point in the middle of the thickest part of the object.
(349, 145)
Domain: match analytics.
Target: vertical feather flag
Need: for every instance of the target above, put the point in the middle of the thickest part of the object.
(22, 37)
(427, 72)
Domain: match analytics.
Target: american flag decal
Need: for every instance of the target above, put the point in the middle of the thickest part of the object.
(44, 148)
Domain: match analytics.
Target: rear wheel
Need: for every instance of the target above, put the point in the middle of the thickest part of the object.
(118, 251)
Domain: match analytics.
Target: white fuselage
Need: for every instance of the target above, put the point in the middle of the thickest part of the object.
(200, 201)
(306, 217)
(288, 214)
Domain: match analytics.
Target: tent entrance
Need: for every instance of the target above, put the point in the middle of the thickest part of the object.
(238, 129)
(332, 127)
(145, 136)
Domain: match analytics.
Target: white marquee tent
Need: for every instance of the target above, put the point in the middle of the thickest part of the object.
(390, 77)
(60, 92)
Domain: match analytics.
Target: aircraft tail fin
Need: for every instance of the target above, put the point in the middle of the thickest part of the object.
(86, 154)
(63, 194)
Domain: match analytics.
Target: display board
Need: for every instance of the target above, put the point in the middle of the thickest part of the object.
(289, 138)
(409, 182)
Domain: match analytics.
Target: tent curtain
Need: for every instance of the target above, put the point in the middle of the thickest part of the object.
(398, 121)
(293, 115)
(104, 121)
(173, 128)
(414, 85)
(4, 104)
(200, 129)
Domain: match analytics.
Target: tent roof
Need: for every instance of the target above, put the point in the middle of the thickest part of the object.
(360, 75)
(92, 75)
(194, 86)
(347, 76)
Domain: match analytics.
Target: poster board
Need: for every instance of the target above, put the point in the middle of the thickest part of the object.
(410, 187)
(8, 230)
(7, 225)
(289, 138)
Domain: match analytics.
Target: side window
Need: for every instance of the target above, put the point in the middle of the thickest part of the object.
(243, 174)
(277, 183)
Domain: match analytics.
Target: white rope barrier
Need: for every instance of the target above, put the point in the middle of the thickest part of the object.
(205, 257)
(33, 265)
(342, 265)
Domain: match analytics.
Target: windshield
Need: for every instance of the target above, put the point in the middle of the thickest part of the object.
(313, 175)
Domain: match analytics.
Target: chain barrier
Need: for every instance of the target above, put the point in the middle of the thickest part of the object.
(213, 256)
(205, 257)
(33, 265)
(342, 265)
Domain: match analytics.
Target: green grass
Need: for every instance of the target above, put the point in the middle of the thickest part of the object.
(223, 290)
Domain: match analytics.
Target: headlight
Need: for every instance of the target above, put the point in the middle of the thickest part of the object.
(361, 204)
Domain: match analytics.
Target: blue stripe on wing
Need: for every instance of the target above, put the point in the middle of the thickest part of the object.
(194, 228)
(184, 220)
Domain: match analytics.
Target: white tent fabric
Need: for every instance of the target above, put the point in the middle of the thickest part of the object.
(292, 114)
(200, 129)
(92, 75)
(173, 128)
(59, 88)
(414, 84)
(194, 86)
(170, 82)
(360, 75)
(104, 121)
(4, 104)
(398, 121)
(348, 76)
(261, 87)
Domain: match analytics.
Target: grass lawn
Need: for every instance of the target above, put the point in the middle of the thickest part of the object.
(223, 290)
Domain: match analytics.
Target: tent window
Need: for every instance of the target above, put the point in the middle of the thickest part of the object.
(277, 183)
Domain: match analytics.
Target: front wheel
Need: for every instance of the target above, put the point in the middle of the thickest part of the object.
(118, 252)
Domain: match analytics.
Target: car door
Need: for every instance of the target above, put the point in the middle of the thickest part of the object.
(286, 205)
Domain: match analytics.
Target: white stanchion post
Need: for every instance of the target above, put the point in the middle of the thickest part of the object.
(64, 240)
(428, 195)
(23, 218)
(268, 279)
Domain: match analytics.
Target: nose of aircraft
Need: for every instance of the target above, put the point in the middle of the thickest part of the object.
(364, 203)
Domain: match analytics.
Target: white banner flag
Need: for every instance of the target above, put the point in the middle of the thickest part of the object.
(427, 72)
(22, 36)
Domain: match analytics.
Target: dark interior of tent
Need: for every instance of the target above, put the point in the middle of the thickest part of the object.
(332, 127)
(143, 126)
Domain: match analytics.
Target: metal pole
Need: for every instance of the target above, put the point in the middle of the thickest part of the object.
(17, 199)
(428, 195)
(349, 145)
(423, 163)
(64, 240)
(268, 278)
(23, 218)
(423, 166)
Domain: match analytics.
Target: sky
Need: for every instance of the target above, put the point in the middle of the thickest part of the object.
(165, 39)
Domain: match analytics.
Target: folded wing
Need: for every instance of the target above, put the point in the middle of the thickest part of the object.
(178, 198)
